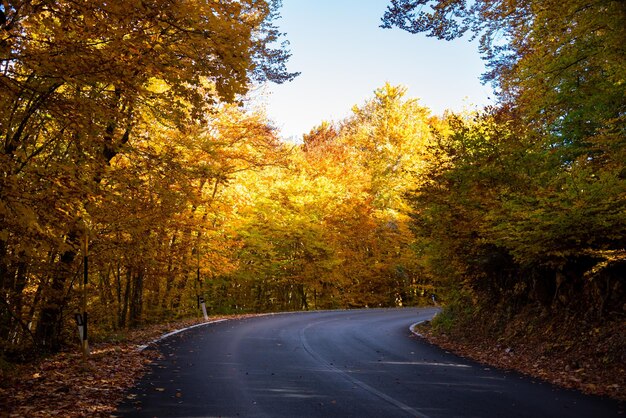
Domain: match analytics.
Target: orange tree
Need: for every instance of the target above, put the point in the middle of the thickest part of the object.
(331, 229)
(78, 82)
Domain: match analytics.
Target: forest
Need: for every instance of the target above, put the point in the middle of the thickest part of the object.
(130, 160)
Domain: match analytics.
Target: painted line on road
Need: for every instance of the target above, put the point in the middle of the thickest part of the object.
(354, 380)
(169, 334)
(412, 326)
(178, 331)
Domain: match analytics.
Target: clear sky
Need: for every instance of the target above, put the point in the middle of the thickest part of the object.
(344, 56)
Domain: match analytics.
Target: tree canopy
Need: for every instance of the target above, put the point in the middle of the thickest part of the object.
(82, 85)
(122, 128)
(537, 183)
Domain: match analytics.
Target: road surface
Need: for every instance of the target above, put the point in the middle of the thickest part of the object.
(358, 363)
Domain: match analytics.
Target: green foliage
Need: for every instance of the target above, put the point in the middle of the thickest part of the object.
(458, 308)
(527, 201)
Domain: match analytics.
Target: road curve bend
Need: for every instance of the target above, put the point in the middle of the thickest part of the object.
(355, 363)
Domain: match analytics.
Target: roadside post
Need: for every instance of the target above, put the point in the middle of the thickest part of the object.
(81, 327)
(203, 305)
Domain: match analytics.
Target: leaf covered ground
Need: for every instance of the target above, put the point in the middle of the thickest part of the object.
(61, 385)
(570, 352)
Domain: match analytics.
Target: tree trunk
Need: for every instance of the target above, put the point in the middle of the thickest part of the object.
(48, 331)
(124, 300)
(136, 307)
(304, 304)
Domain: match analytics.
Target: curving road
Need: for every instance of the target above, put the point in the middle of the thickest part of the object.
(361, 363)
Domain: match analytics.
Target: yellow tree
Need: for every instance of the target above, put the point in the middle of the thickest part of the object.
(388, 137)
(159, 227)
(332, 230)
(77, 79)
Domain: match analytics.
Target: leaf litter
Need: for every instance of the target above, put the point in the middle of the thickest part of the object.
(62, 385)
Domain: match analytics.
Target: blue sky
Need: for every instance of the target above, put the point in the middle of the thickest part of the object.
(344, 56)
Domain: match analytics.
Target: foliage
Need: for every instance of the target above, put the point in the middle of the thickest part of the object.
(221, 210)
(525, 202)
(96, 99)
(330, 229)
(117, 131)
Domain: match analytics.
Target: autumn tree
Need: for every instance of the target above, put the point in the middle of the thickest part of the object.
(538, 182)
(78, 80)
(389, 136)
(558, 65)
(161, 234)
(331, 229)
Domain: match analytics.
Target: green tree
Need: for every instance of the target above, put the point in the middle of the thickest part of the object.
(558, 64)
(545, 169)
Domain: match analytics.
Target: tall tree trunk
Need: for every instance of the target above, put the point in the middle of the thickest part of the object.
(106, 293)
(171, 274)
(5, 289)
(48, 331)
(136, 307)
(304, 303)
(17, 301)
(124, 301)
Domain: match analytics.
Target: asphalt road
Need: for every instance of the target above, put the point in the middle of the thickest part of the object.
(360, 363)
